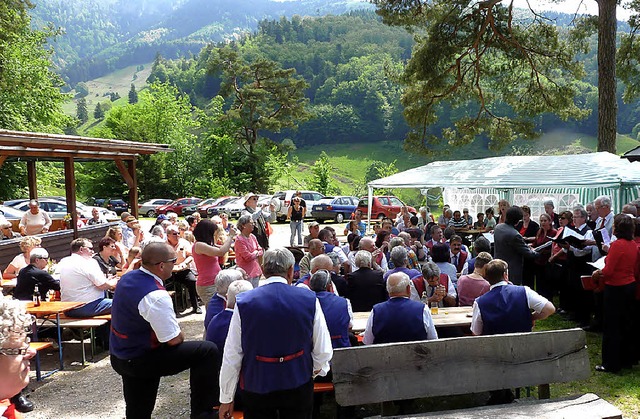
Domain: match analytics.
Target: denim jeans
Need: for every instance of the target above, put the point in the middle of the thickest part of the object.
(296, 227)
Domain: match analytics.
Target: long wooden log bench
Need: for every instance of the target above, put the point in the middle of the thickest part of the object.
(475, 364)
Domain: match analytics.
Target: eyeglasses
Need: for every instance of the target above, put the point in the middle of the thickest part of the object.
(173, 233)
(172, 260)
(16, 351)
(88, 247)
(255, 198)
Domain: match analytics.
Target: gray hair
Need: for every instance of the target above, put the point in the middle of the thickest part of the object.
(157, 231)
(549, 202)
(38, 253)
(396, 241)
(320, 281)
(321, 262)
(605, 201)
(225, 278)
(363, 259)
(235, 288)
(242, 221)
(430, 270)
(401, 285)
(398, 256)
(14, 319)
(334, 258)
(582, 212)
(277, 261)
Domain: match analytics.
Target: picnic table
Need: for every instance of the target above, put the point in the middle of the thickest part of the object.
(51, 311)
(446, 317)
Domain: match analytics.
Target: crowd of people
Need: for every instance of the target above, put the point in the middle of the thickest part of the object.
(509, 277)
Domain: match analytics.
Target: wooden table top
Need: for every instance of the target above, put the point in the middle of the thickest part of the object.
(47, 308)
(446, 317)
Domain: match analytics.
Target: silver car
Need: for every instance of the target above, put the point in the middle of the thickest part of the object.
(148, 208)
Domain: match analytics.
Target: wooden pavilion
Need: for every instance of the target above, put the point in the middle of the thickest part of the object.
(31, 147)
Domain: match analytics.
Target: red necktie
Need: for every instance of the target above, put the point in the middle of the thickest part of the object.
(601, 224)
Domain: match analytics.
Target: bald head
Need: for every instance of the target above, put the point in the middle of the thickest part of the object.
(398, 285)
(316, 247)
(321, 262)
(367, 243)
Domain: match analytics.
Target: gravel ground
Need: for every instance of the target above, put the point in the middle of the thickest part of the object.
(95, 390)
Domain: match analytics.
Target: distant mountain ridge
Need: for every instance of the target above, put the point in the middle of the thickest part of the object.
(101, 36)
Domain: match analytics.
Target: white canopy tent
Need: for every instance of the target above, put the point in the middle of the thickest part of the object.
(567, 180)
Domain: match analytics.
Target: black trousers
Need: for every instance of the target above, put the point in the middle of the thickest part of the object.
(618, 327)
(141, 376)
(188, 279)
(296, 403)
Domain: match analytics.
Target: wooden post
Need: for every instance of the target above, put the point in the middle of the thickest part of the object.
(128, 172)
(32, 179)
(2, 159)
(70, 189)
(544, 392)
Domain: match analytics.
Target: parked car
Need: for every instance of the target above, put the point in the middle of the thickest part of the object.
(116, 205)
(203, 206)
(11, 213)
(282, 200)
(148, 208)
(383, 206)
(53, 207)
(177, 205)
(232, 208)
(336, 208)
(214, 208)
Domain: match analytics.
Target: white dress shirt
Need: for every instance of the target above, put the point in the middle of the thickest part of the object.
(80, 278)
(233, 353)
(429, 327)
(157, 308)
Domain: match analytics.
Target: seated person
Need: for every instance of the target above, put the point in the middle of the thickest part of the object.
(467, 217)
(399, 319)
(34, 275)
(399, 260)
(480, 224)
(337, 310)
(458, 257)
(490, 222)
(314, 229)
(436, 237)
(218, 327)
(435, 286)
(6, 229)
(365, 287)
(108, 257)
(457, 222)
(507, 308)
(481, 244)
(474, 285)
(219, 301)
(81, 280)
(20, 261)
(316, 247)
(441, 256)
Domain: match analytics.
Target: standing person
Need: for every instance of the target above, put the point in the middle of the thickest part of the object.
(34, 275)
(95, 218)
(254, 353)
(296, 214)
(15, 354)
(260, 217)
(248, 251)
(35, 220)
(181, 269)
(528, 230)
(503, 206)
(510, 246)
(549, 210)
(542, 269)
(205, 254)
(147, 343)
(618, 275)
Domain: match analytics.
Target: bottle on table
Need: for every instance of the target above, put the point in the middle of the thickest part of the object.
(36, 296)
(424, 298)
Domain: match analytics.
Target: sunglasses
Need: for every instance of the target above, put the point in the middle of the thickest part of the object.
(172, 260)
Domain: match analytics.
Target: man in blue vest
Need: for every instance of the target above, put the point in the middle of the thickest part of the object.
(278, 341)
(146, 342)
(337, 310)
(506, 308)
(399, 319)
(218, 302)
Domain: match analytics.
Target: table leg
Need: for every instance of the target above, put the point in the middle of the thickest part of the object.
(59, 340)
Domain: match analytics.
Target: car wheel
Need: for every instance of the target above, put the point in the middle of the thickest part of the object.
(339, 217)
(151, 213)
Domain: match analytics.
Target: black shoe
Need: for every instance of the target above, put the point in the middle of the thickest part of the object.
(22, 404)
(196, 310)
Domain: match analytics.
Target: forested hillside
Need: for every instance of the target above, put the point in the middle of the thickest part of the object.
(100, 36)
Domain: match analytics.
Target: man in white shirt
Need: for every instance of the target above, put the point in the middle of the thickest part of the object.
(82, 280)
(147, 343)
(277, 363)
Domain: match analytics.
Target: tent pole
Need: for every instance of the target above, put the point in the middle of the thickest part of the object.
(369, 205)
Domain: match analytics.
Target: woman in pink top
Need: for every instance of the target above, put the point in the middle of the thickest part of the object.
(474, 285)
(205, 254)
(248, 251)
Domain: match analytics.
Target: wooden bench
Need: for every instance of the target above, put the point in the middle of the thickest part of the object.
(39, 346)
(475, 364)
(85, 323)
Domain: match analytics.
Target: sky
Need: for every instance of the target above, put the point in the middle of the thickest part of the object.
(569, 6)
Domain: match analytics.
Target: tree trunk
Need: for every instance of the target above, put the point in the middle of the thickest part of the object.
(607, 105)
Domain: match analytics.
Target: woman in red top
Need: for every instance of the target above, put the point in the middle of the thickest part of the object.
(541, 263)
(619, 279)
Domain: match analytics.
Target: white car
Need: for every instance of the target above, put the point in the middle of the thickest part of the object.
(232, 208)
(283, 201)
(58, 209)
(148, 208)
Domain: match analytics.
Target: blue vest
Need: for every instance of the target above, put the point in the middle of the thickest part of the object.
(471, 265)
(131, 335)
(218, 328)
(398, 320)
(215, 306)
(336, 313)
(505, 309)
(277, 337)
